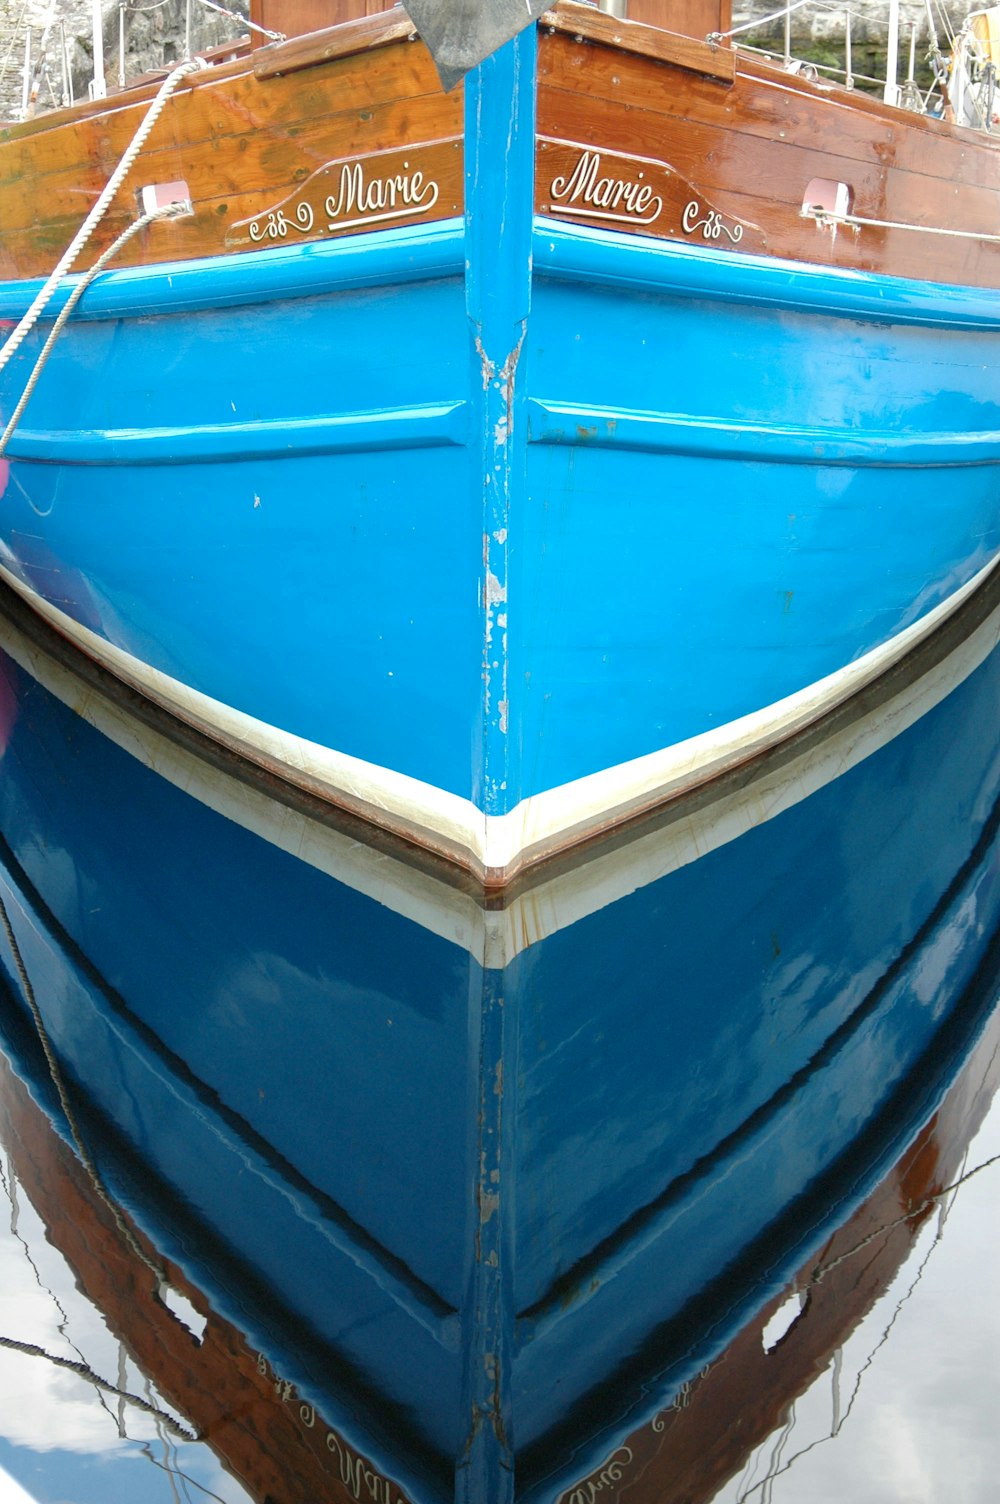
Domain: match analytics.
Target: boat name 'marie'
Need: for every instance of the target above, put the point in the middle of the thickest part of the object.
(359, 199)
(585, 192)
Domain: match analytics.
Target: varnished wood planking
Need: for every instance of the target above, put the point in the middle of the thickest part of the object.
(713, 138)
(772, 105)
(226, 103)
(266, 160)
(720, 159)
(376, 30)
(647, 41)
(240, 143)
(219, 224)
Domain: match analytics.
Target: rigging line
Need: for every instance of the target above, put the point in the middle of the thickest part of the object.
(62, 1327)
(66, 262)
(10, 1191)
(84, 1371)
(122, 1380)
(168, 1450)
(147, 1452)
(274, 36)
(825, 220)
(822, 1440)
(14, 36)
(822, 1270)
(87, 1160)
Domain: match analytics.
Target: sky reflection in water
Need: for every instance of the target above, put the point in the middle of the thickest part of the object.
(911, 1397)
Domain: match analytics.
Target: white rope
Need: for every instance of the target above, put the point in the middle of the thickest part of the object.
(84, 1371)
(168, 211)
(823, 218)
(97, 213)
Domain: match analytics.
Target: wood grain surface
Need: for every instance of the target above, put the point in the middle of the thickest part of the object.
(746, 151)
(728, 145)
(242, 143)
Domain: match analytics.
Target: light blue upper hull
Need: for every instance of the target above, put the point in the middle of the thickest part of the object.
(721, 498)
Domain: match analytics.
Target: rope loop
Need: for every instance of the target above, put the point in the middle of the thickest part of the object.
(97, 213)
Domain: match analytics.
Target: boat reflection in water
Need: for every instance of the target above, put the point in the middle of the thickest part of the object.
(474, 1199)
(212, 1383)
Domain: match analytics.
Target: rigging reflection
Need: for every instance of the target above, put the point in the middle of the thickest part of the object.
(399, 1193)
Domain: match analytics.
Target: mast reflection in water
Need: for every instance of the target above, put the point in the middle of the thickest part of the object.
(389, 1191)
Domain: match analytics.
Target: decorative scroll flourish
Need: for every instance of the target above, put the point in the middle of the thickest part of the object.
(360, 192)
(710, 222)
(276, 224)
(595, 185)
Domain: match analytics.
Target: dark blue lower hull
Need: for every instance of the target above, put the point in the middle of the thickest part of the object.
(378, 1147)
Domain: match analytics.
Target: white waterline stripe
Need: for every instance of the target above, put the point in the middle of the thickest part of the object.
(405, 889)
(391, 798)
(612, 873)
(453, 824)
(496, 937)
(588, 803)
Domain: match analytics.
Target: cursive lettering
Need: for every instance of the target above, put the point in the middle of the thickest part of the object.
(361, 1480)
(712, 226)
(610, 1474)
(595, 197)
(379, 198)
(358, 199)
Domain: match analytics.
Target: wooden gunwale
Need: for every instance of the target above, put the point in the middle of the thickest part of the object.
(752, 148)
(710, 58)
(336, 41)
(242, 145)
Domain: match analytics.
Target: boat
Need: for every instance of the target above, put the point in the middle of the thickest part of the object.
(227, 1287)
(499, 605)
(213, 1383)
(487, 1220)
(620, 416)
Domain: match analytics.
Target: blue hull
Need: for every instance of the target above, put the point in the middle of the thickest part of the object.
(417, 1159)
(500, 505)
(500, 816)
(683, 550)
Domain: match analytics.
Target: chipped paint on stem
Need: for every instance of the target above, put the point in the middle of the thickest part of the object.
(498, 225)
(499, 102)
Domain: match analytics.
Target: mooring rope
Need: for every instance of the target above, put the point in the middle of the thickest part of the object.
(84, 1371)
(169, 211)
(66, 262)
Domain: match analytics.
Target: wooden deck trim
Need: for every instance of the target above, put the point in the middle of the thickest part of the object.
(345, 40)
(138, 92)
(590, 25)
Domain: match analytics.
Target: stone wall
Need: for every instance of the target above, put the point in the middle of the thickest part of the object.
(157, 32)
(61, 43)
(819, 30)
